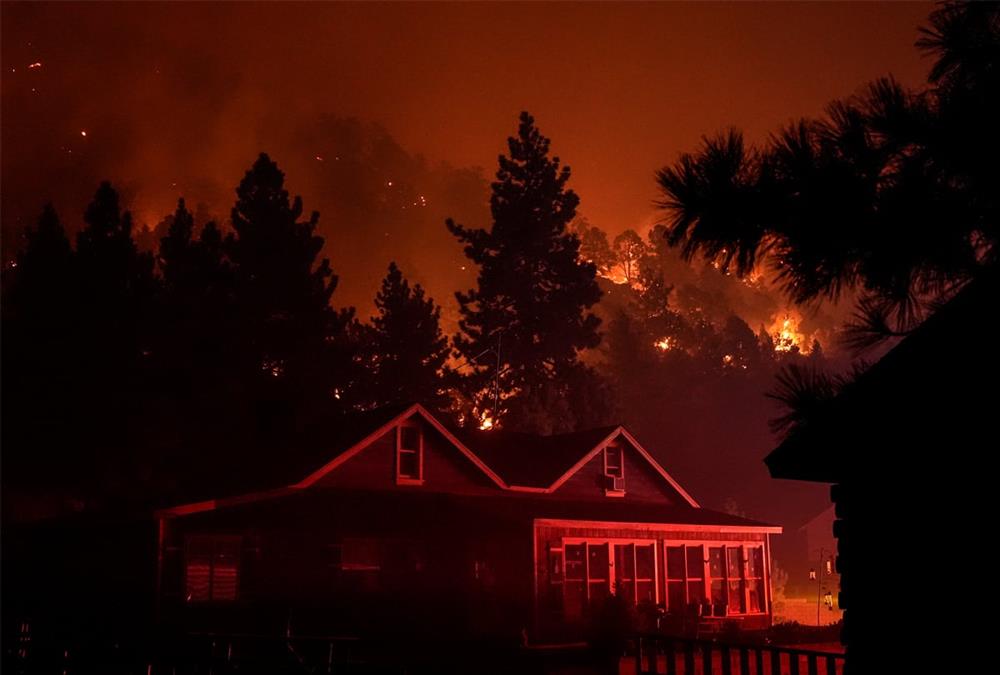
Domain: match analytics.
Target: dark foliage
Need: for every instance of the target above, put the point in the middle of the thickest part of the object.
(406, 351)
(534, 292)
(892, 193)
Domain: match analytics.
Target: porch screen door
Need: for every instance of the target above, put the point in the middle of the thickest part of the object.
(587, 576)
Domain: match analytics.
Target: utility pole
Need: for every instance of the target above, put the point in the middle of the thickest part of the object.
(817, 576)
(496, 380)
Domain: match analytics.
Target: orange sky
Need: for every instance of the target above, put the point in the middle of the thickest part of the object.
(178, 98)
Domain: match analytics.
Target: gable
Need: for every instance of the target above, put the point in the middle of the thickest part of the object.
(644, 479)
(443, 466)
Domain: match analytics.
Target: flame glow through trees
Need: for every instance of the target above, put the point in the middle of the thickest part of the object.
(664, 344)
(786, 334)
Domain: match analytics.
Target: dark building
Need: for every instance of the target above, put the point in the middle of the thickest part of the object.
(906, 448)
(400, 522)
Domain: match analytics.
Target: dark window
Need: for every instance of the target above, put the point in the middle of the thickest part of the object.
(755, 578)
(645, 574)
(409, 451)
(696, 574)
(613, 460)
(716, 573)
(575, 580)
(737, 602)
(409, 439)
(212, 568)
(357, 564)
(598, 571)
(676, 597)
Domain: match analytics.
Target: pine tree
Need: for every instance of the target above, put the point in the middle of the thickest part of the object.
(42, 284)
(282, 291)
(533, 292)
(294, 341)
(176, 248)
(408, 349)
(114, 340)
(38, 370)
(594, 246)
(111, 265)
(629, 249)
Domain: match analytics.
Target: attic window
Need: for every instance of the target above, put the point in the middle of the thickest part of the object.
(614, 469)
(409, 454)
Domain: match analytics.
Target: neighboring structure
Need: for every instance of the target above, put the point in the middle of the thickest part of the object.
(403, 522)
(905, 448)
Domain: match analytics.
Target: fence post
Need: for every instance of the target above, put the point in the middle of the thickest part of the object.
(670, 656)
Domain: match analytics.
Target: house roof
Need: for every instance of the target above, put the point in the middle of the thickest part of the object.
(529, 459)
(930, 384)
(513, 461)
(370, 507)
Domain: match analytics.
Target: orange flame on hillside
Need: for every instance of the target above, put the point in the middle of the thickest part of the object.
(664, 344)
(485, 422)
(787, 336)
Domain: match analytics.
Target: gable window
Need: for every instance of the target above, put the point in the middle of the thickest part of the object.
(409, 455)
(614, 469)
(212, 568)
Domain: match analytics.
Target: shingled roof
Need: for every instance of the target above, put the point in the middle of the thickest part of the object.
(532, 460)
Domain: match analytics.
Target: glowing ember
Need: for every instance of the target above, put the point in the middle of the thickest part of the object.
(485, 422)
(83, 133)
(664, 344)
(36, 64)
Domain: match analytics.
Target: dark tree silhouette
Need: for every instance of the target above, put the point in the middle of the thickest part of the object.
(112, 351)
(594, 246)
(407, 350)
(892, 193)
(39, 383)
(629, 250)
(116, 278)
(533, 292)
(291, 336)
(195, 331)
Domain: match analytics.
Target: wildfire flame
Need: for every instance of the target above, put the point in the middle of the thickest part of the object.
(663, 344)
(485, 422)
(787, 336)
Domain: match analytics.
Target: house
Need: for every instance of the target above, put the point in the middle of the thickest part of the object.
(399, 522)
(904, 448)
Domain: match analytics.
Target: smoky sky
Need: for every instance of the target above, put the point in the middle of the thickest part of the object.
(177, 99)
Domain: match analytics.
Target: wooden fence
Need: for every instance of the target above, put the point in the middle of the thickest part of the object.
(663, 655)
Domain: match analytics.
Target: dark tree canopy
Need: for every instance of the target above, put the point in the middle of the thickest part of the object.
(891, 193)
(594, 246)
(279, 280)
(533, 292)
(408, 351)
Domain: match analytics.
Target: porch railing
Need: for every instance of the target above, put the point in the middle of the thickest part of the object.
(664, 655)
